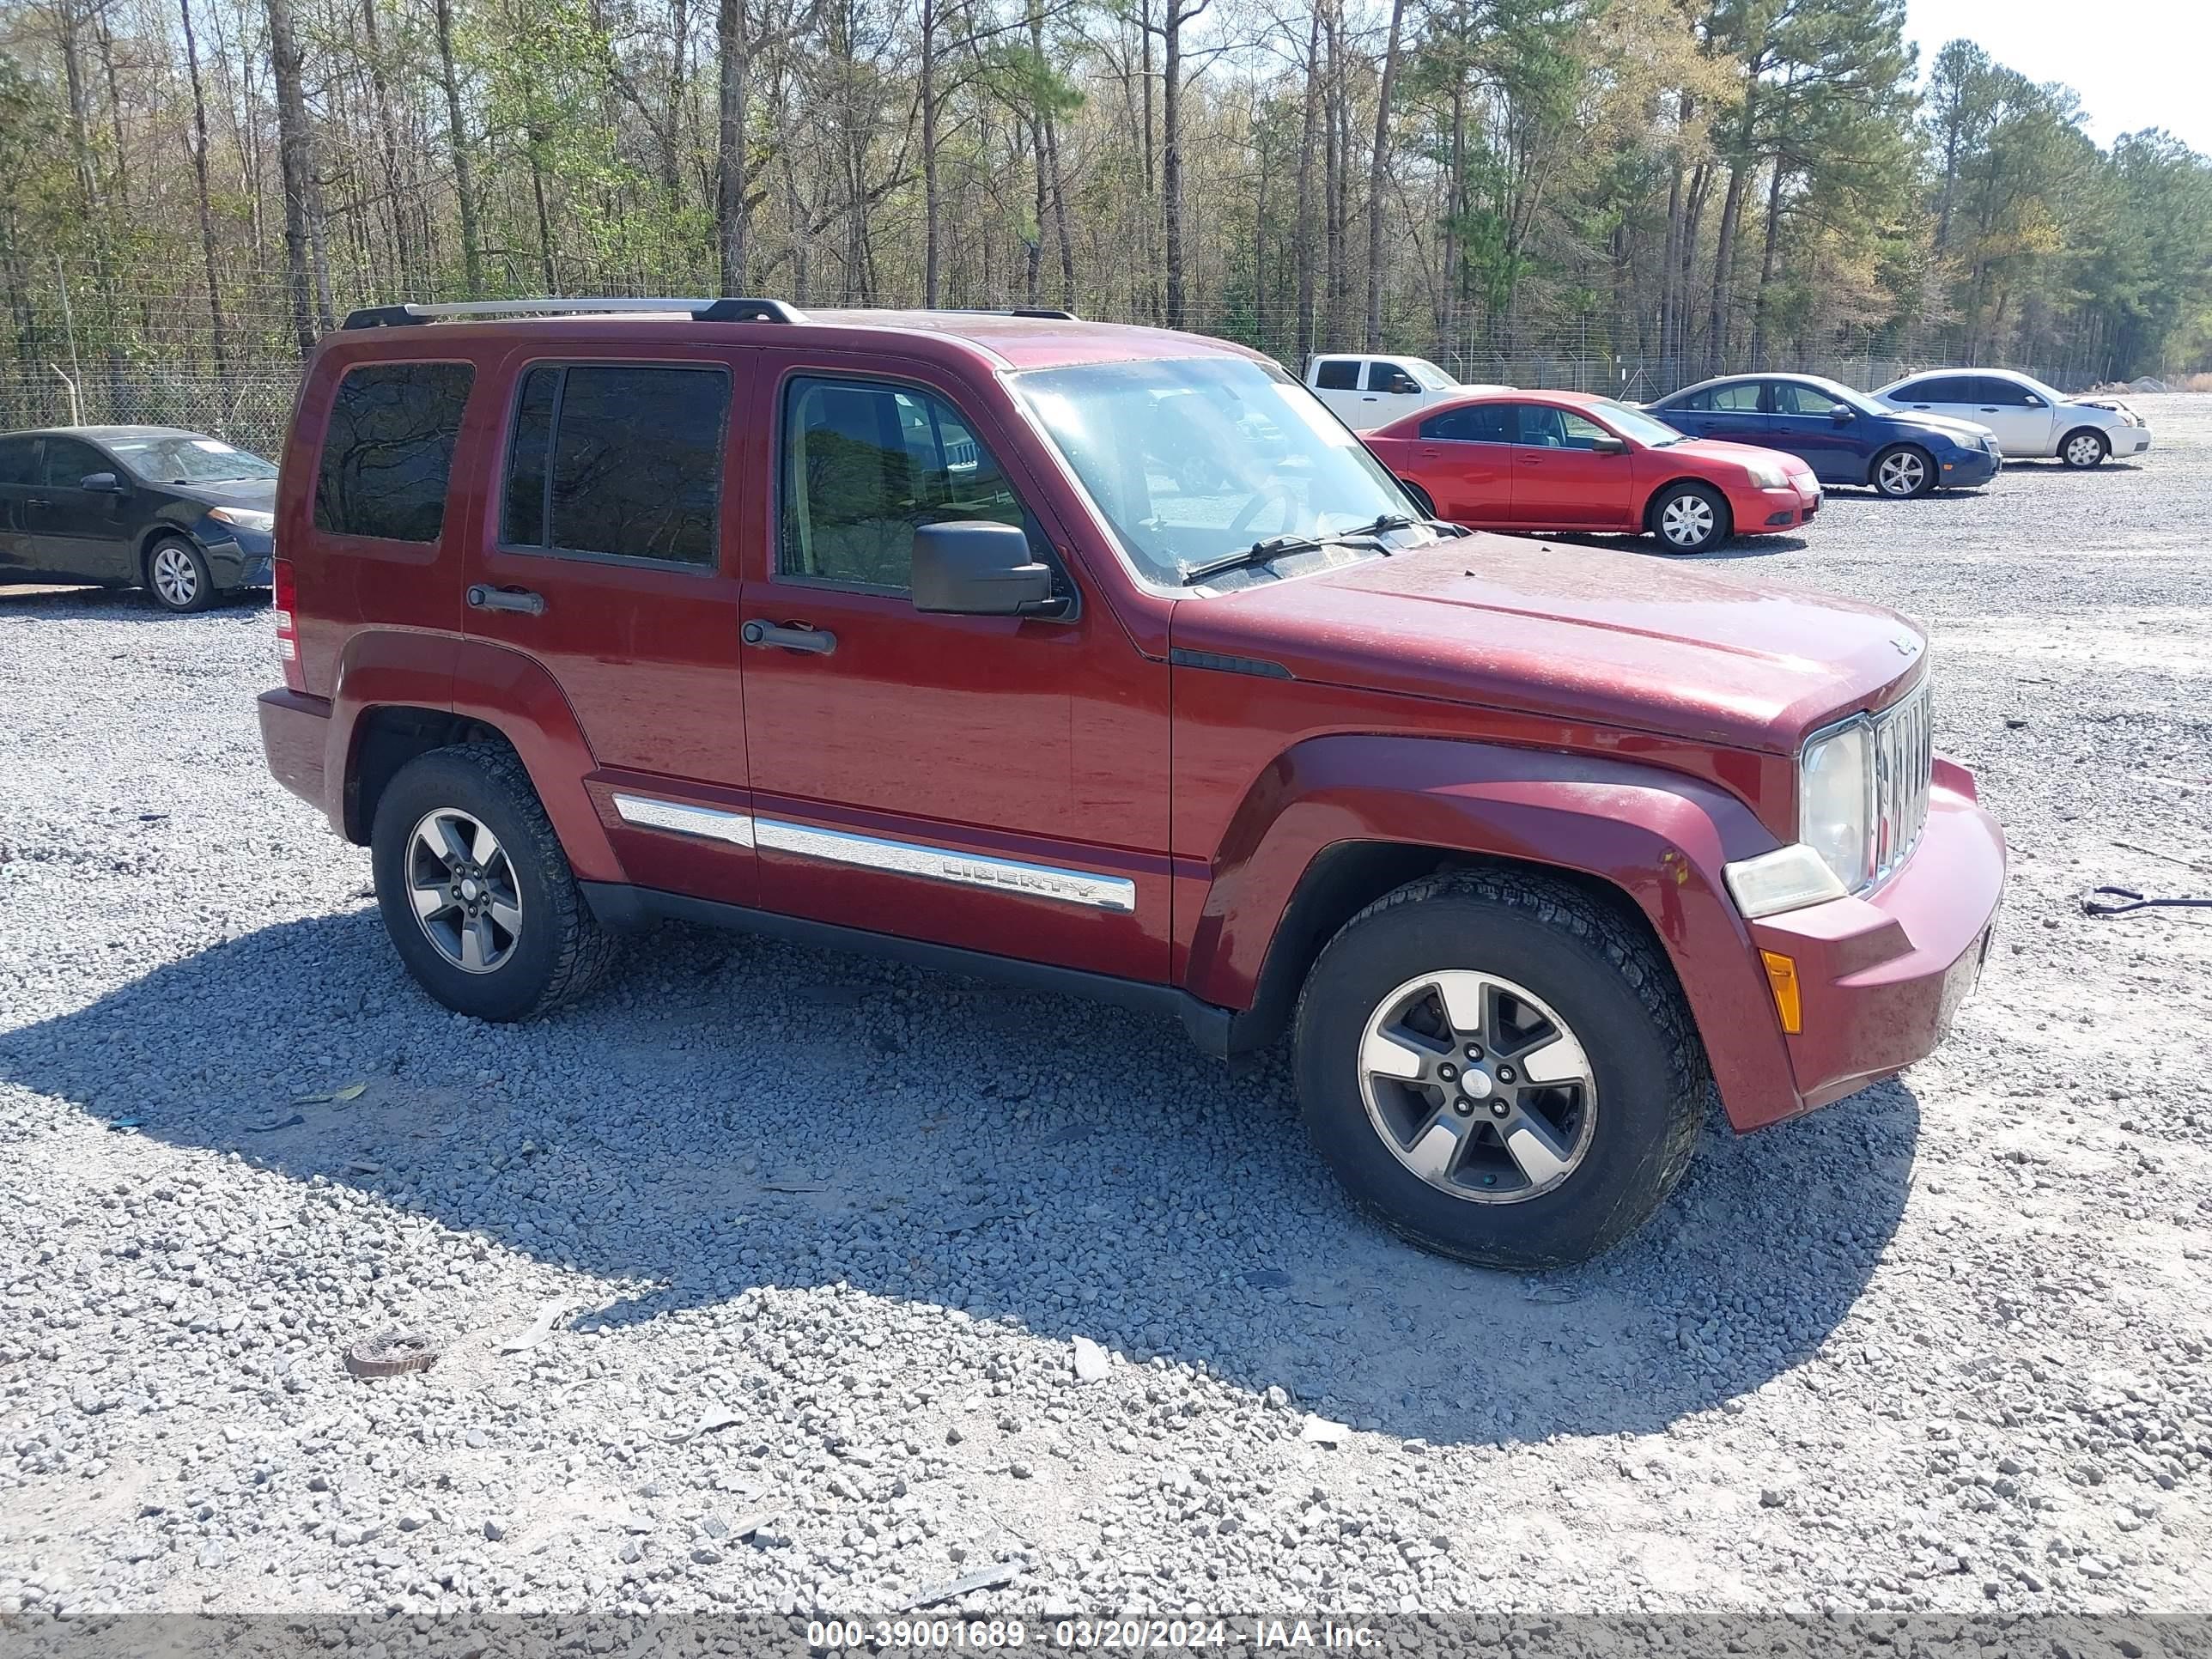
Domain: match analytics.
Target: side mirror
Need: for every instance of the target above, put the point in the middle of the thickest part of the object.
(976, 568)
(2034, 402)
(104, 483)
(1842, 412)
(1608, 446)
(1402, 385)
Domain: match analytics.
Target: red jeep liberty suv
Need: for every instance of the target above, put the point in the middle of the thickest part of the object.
(1108, 659)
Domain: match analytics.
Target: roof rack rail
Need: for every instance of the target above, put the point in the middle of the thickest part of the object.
(726, 308)
(1051, 313)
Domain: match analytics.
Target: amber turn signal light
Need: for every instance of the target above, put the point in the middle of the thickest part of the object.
(1782, 980)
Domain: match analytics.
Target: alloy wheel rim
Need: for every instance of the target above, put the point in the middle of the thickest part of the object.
(1901, 474)
(1687, 521)
(174, 579)
(2082, 451)
(1477, 1086)
(463, 889)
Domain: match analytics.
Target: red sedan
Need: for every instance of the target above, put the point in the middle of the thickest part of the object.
(1561, 460)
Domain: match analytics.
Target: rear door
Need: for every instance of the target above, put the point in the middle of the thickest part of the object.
(19, 467)
(75, 531)
(1464, 458)
(994, 783)
(608, 559)
(1336, 383)
(1560, 480)
(1957, 395)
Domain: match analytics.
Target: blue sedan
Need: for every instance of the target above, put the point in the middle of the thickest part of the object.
(1845, 436)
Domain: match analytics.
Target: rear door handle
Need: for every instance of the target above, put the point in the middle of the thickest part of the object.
(507, 599)
(815, 640)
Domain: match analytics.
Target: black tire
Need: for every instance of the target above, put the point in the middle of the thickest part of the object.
(1608, 982)
(1914, 473)
(559, 952)
(1420, 497)
(176, 576)
(2067, 447)
(1711, 528)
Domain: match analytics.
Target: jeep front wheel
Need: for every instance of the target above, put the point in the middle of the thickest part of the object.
(477, 896)
(1500, 1069)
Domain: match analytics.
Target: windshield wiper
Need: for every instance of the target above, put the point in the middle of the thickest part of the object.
(1275, 547)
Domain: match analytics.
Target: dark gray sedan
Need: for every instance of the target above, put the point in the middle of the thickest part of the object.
(182, 514)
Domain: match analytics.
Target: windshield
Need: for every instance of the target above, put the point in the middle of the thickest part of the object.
(1647, 429)
(2050, 394)
(190, 460)
(1191, 459)
(1426, 373)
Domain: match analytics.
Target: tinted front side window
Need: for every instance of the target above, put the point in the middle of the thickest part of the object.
(1390, 377)
(1482, 423)
(866, 465)
(68, 461)
(1792, 399)
(1543, 426)
(618, 459)
(2003, 393)
(388, 449)
(1338, 375)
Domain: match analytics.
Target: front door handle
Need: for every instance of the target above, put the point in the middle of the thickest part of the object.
(818, 641)
(507, 599)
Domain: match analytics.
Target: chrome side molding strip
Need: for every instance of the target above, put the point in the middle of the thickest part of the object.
(685, 819)
(903, 857)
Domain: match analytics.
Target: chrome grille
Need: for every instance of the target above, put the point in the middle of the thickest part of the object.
(1903, 764)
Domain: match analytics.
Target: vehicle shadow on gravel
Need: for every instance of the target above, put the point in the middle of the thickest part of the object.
(730, 1113)
(115, 604)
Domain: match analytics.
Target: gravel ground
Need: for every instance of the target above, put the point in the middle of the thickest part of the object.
(818, 1333)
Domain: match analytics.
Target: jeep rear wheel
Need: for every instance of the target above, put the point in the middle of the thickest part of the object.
(1500, 1069)
(477, 896)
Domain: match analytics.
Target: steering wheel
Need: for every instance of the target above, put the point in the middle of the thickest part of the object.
(1268, 491)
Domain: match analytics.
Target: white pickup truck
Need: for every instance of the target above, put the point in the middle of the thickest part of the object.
(1370, 391)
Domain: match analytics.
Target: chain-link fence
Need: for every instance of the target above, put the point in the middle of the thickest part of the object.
(53, 379)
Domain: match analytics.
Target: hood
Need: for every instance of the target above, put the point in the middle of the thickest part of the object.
(256, 493)
(1969, 431)
(2113, 404)
(1618, 640)
(1720, 449)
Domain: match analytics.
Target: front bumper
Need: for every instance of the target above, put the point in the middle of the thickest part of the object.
(1965, 468)
(1880, 976)
(1794, 503)
(244, 560)
(2128, 441)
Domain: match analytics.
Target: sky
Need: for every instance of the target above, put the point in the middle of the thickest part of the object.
(2135, 62)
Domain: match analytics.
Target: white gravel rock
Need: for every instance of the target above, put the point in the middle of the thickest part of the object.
(1955, 1324)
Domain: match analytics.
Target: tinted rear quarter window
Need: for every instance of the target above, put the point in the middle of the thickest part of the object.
(618, 459)
(388, 449)
(1338, 375)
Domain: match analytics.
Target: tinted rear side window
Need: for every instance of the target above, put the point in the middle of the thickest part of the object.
(1338, 374)
(388, 449)
(1479, 423)
(618, 459)
(17, 456)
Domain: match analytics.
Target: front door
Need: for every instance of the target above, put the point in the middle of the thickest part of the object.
(996, 783)
(1820, 430)
(1561, 481)
(75, 531)
(608, 559)
(2023, 422)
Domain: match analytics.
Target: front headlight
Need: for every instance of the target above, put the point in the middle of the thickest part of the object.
(1768, 476)
(1835, 802)
(245, 518)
